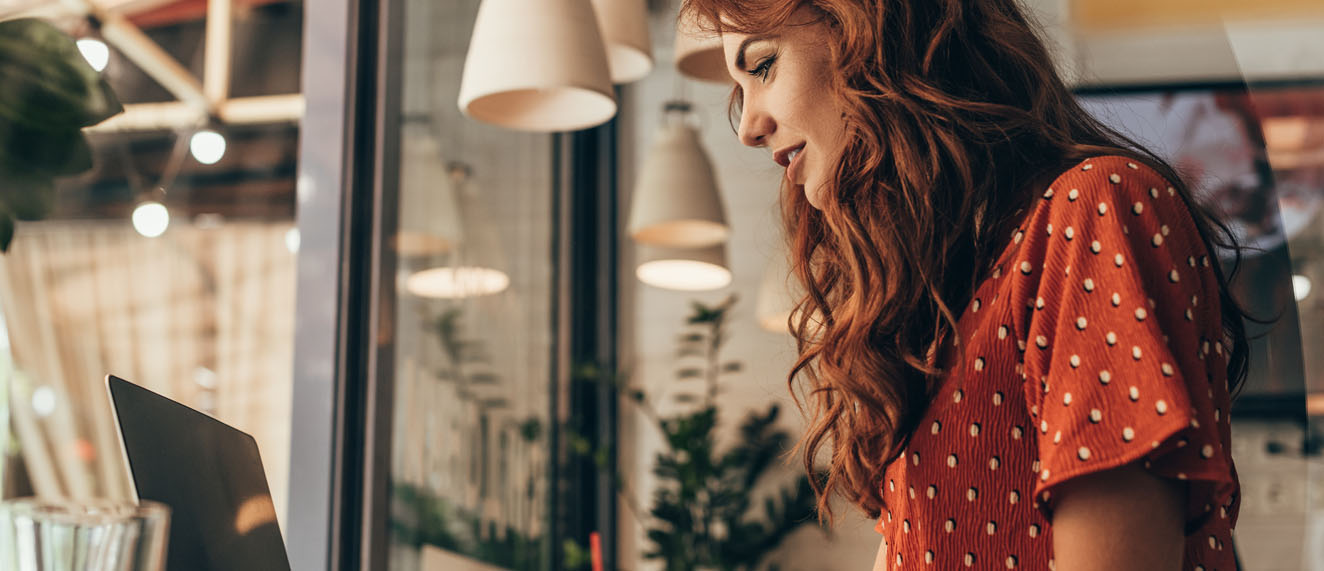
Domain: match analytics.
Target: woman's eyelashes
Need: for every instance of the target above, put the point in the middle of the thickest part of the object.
(763, 68)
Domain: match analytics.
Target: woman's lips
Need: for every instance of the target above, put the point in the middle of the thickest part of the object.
(793, 169)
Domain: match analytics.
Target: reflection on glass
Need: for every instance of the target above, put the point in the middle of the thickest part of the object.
(472, 329)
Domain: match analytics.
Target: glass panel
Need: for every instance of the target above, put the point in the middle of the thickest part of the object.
(170, 263)
(473, 330)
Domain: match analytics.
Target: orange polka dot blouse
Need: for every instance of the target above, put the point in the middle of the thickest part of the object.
(1095, 342)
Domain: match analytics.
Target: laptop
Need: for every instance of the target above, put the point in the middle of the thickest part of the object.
(222, 517)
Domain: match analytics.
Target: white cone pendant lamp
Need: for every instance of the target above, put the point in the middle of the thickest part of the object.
(429, 225)
(537, 66)
(676, 202)
(624, 25)
(699, 52)
(684, 269)
(474, 267)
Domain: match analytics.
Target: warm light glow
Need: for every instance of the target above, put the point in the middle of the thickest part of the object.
(292, 240)
(95, 52)
(452, 283)
(684, 275)
(255, 512)
(151, 219)
(1301, 286)
(43, 401)
(207, 146)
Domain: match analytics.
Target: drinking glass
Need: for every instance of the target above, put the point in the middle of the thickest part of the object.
(38, 535)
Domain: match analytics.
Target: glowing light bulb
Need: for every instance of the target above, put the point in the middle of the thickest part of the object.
(1301, 286)
(95, 52)
(151, 219)
(43, 401)
(207, 146)
(292, 240)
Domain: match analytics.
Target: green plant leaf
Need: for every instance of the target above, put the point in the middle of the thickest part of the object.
(45, 82)
(26, 194)
(6, 231)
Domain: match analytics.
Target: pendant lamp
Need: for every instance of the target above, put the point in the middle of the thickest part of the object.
(775, 301)
(429, 225)
(676, 202)
(624, 25)
(699, 51)
(684, 269)
(474, 267)
(537, 66)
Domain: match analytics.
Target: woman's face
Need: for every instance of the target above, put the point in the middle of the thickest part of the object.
(784, 79)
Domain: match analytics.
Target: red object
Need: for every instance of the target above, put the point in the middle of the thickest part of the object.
(595, 550)
(1093, 343)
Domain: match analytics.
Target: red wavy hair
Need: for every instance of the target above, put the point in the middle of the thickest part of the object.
(957, 118)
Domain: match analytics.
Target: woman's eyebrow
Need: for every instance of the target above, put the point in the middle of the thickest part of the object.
(740, 51)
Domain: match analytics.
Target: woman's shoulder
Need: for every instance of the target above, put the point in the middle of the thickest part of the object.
(1110, 175)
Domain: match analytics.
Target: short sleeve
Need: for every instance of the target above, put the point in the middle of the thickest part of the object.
(1124, 360)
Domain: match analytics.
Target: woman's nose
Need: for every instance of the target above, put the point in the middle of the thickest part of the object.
(755, 127)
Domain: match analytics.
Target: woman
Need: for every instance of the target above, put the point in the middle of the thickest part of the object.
(1017, 338)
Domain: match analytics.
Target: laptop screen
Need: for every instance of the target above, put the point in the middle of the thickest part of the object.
(210, 474)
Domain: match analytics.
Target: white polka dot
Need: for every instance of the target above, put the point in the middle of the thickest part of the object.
(1057, 437)
(937, 426)
(1074, 194)
(1134, 393)
(991, 528)
(1207, 451)
(1217, 413)
(1105, 377)
(1034, 530)
(932, 491)
(969, 559)
(1002, 332)
(1016, 432)
(1050, 228)
(1070, 232)
(975, 305)
(1167, 370)
(1138, 208)
(979, 363)
(949, 525)
(1164, 229)
(898, 559)
(1157, 240)
(997, 398)
(1011, 561)
(1111, 337)
(1174, 277)
(1044, 475)
(914, 456)
(912, 492)
(928, 556)
(1135, 352)
(1026, 267)
(1013, 497)
(1128, 434)
(1081, 322)
(1087, 167)
(1132, 166)
(993, 463)
(1117, 259)
(1161, 406)
(1043, 426)
(1103, 208)
(1041, 341)
(1153, 193)
(891, 485)
(1066, 399)
(1141, 314)
(1189, 316)
(1096, 247)
(1117, 299)
(1039, 303)
(1089, 284)
(1048, 193)
(951, 461)
(1096, 415)
(1115, 178)
(1017, 238)
(1083, 453)
(905, 526)
(956, 396)
(1075, 361)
